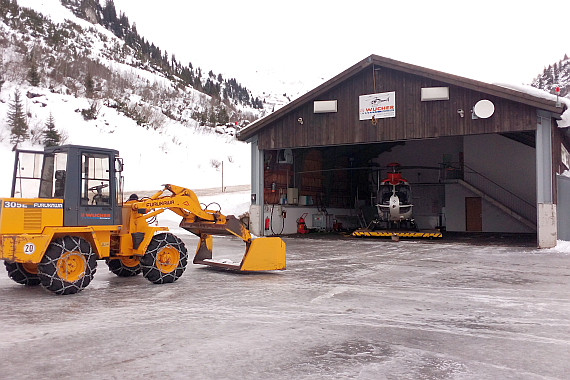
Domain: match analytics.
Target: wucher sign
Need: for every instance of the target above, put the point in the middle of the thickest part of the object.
(378, 105)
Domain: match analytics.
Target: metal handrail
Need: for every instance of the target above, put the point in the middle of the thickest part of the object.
(505, 196)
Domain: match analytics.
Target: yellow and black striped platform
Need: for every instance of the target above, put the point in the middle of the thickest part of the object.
(402, 234)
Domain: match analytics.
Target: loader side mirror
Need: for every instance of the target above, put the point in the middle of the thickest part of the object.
(118, 164)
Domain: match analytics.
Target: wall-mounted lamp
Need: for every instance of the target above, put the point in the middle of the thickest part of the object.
(461, 112)
(300, 120)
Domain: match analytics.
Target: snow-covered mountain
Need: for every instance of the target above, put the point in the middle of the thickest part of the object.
(172, 123)
(555, 75)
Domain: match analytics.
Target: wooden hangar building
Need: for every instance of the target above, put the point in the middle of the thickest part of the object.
(477, 157)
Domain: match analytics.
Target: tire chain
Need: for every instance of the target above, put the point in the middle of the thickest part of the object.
(121, 269)
(148, 261)
(47, 268)
(18, 273)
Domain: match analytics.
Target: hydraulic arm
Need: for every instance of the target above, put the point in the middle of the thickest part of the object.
(266, 253)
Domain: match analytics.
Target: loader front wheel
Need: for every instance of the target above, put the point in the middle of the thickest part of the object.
(165, 259)
(124, 266)
(25, 274)
(68, 265)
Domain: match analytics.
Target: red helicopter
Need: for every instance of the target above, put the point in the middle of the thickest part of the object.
(395, 201)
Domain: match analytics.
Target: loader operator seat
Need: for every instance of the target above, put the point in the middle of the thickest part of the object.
(59, 183)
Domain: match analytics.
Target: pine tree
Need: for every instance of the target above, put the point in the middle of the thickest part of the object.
(212, 117)
(89, 84)
(109, 14)
(222, 115)
(17, 121)
(51, 135)
(33, 74)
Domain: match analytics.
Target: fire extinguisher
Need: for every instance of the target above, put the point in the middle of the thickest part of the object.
(301, 226)
(266, 223)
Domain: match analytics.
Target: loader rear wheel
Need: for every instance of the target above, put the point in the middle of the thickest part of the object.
(124, 266)
(68, 265)
(25, 274)
(165, 259)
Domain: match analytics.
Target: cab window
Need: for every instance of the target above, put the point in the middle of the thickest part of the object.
(95, 179)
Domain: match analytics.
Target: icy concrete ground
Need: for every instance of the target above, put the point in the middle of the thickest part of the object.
(344, 309)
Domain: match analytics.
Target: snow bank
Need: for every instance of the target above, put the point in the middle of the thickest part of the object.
(562, 246)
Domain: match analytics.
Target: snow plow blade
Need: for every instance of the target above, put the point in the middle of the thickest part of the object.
(262, 254)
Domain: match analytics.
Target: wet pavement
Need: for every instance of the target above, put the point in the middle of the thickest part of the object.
(345, 308)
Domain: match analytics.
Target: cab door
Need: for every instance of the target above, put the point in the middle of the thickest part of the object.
(97, 189)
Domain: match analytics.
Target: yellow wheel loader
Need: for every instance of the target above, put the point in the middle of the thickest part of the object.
(66, 212)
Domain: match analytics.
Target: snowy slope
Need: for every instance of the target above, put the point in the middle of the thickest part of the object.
(175, 154)
(181, 153)
(265, 84)
(56, 12)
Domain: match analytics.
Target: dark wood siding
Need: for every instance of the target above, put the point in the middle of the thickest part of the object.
(414, 119)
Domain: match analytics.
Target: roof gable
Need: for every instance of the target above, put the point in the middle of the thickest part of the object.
(376, 61)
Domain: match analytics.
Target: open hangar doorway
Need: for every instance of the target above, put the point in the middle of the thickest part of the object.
(479, 183)
(472, 183)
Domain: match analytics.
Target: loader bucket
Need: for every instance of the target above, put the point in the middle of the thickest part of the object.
(262, 254)
(267, 253)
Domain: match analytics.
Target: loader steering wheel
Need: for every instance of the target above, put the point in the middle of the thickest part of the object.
(98, 188)
(98, 197)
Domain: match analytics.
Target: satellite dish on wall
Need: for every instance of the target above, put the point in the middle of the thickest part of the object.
(484, 109)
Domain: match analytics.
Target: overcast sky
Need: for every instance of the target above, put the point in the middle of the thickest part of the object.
(492, 41)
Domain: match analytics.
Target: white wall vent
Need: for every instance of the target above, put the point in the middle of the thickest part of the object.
(324, 106)
(435, 93)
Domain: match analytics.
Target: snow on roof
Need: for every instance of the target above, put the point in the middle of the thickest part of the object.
(565, 117)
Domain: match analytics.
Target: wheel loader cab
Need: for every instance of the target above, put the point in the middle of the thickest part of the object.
(87, 179)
